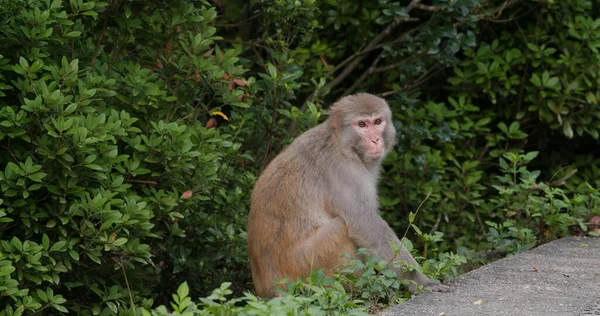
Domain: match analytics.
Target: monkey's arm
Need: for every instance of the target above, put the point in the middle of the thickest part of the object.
(368, 230)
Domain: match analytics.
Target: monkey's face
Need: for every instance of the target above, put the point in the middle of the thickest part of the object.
(371, 132)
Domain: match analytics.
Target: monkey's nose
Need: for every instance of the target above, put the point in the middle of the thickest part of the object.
(375, 140)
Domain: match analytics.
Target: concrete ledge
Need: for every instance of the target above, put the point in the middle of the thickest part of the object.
(558, 278)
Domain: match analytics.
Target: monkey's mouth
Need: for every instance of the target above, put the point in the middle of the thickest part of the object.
(375, 154)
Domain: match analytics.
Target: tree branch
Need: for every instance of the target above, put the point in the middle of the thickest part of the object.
(428, 7)
(352, 62)
(356, 58)
(554, 184)
(364, 75)
(98, 43)
(242, 23)
(388, 67)
(141, 181)
(424, 77)
(557, 183)
(496, 12)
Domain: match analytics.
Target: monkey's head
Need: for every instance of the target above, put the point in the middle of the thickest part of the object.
(363, 126)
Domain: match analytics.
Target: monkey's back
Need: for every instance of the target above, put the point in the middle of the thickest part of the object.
(287, 205)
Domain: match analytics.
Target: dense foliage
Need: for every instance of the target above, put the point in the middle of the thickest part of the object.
(132, 133)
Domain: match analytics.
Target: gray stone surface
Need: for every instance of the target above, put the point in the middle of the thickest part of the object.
(558, 278)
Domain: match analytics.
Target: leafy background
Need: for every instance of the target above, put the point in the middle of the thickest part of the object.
(132, 133)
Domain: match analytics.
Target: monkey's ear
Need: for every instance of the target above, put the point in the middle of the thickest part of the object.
(335, 114)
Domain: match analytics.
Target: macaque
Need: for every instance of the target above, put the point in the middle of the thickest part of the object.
(317, 200)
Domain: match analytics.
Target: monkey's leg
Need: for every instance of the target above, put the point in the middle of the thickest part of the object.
(321, 250)
(324, 248)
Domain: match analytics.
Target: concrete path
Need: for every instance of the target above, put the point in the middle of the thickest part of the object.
(558, 278)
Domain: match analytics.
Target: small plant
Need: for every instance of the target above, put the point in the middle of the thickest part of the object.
(363, 287)
(535, 211)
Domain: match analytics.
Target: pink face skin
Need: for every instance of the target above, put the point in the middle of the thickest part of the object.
(370, 130)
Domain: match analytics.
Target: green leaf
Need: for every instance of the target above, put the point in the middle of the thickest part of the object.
(407, 244)
(71, 108)
(568, 130)
(45, 241)
(42, 295)
(6, 270)
(58, 246)
(93, 167)
(503, 127)
(514, 127)
(94, 258)
(7, 124)
(484, 121)
(38, 176)
(272, 70)
(535, 79)
(90, 13)
(89, 159)
(23, 62)
(112, 306)
(531, 155)
(36, 65)
(119, 242)
(61, 309)
(16, 244)
(552, 82)
(416, 229)
(503, 164)
(183, 290)
(14, 168)
(58, 299)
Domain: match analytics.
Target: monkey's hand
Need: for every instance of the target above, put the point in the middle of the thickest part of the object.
(438, 287)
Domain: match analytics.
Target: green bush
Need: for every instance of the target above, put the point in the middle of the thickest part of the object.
(102, 123)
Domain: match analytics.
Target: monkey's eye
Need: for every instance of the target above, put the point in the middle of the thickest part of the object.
(377, 121)
(361, 124)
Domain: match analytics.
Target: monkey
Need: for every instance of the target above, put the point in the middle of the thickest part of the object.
(317, 200)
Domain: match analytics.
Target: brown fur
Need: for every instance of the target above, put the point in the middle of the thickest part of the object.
(317, 200)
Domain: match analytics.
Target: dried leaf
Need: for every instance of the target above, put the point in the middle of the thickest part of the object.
(211, 123)
(208, 52)
(220, 114)
(239, 82)
(324, 61)
(187, 194)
